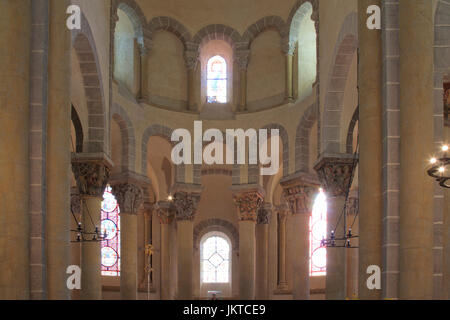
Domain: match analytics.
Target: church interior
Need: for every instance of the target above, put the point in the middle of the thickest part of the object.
(92, 97)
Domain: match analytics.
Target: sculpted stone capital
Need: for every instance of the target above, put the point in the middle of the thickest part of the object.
(264, 213)
(242, 58)
(185, 205)
(336, 174)
(91, 177)
(248, 204)
(128, 196)
(164, 211)
(299, 191)
(191, 59)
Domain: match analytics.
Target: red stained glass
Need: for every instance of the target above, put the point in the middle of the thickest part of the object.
(110, 223)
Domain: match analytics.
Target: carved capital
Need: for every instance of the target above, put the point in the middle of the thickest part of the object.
(191, 59)
(164, 211)
(128, 196)
(144, 49)
(335, 174)
(92, 177)
(248, 204)
(185, 205)
(242, 58)
(264, 213)
(300, 198)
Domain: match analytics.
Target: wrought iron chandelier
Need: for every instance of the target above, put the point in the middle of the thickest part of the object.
(87, 236)
(439, 167)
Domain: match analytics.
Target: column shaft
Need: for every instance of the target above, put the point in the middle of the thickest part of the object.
(185, 252)
(143, 91)
(336, 280)
(416, 134)
(262, 261)
(128, 257)
(370, 155)
(15, 18)
(242, 89)
(191, 89)
(247, 260)
(165, 262)
(91, 284)
(289, 81)
(282, 283)
(300, 240)
(58, 153)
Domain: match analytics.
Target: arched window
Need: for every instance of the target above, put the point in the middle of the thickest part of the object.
(318, 231)
(217, 80)
(110, 223)
(215, 259)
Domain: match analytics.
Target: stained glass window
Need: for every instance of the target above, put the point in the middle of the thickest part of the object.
(110, 223)
(215, 260)
(217, 80)
(318, 231)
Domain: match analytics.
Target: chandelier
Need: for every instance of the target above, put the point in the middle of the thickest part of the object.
(83, 235)
(439, 167)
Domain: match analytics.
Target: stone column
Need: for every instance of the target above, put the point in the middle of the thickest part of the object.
(289, 50)
(92, 174)
(262, 251)
(185, 201)
(353, 254)
(248, 202)
(283, 212)
(242, 59)
(335, 174)
(129, 197)
(143, 86)
(75, 247)
(299, 191)
(417, 143)
(191, 58)
(58, 153)
(15, 19)
(164, 211)
(370, 135)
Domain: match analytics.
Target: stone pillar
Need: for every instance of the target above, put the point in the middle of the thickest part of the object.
(164, 211)
(58, 153)
(248, 201)
(353, 272)
(92, 174)
(185, 201)
(335, 174)
(75, 247)
(15, 19)
(370, 135)
(262, 251)
(283, 212)
(129, 197)
(299, 191)
(417, 143)
(191, 58)
(289, 50)
(143, 86)
(242, 59)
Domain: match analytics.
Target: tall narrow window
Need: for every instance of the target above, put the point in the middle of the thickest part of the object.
(215, 260)
(217, 80)
(110, 223)
(318, 231)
